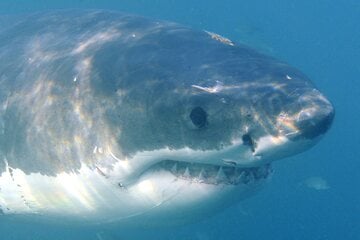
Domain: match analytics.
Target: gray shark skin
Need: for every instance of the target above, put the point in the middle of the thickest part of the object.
(107, 116)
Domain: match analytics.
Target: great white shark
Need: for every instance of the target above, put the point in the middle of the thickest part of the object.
(107, 116)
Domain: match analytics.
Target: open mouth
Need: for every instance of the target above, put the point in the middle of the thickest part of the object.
(213, 174)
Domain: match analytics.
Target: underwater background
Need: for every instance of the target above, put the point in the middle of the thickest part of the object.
(315, 195)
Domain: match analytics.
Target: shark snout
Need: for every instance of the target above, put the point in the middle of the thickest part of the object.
(314, 117)
(306, 117)
(315, 121)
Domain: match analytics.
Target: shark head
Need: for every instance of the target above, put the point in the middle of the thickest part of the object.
(116, 117)
(199, 121)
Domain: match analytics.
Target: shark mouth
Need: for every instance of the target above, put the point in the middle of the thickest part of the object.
(213, 174)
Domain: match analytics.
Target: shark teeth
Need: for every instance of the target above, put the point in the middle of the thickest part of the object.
(213, 174)
(220, 176)
(174, 168)
(186, 173)
(201, 177)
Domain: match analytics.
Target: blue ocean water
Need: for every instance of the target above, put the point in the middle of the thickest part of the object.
(322, 38)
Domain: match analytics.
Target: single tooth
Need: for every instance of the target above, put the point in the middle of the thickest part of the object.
(221, 176)
(231, 174)
(187, 173)
(201, 176)
(174, 168)
(241, 177)
(250, 177)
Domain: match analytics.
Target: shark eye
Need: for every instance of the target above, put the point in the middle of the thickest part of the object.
(198, 117)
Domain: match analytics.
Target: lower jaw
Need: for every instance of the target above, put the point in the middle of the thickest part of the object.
(178, 195)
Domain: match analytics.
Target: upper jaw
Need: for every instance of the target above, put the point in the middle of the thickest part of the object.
(212, 174)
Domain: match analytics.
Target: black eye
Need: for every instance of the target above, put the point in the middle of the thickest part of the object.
(198, 117)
